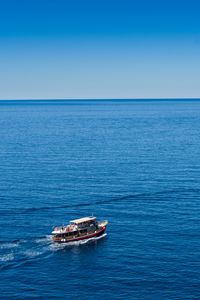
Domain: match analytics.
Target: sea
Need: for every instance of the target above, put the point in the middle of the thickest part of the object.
(135, 163)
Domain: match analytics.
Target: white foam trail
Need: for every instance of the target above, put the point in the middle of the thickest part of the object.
(45, 240)
(91, 239)
(8, 245)
(44, 245)
(32, 253)
(7, 257)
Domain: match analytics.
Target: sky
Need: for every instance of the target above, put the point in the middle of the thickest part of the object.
(60, 49)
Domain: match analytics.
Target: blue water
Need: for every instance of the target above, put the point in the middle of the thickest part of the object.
(135, 163)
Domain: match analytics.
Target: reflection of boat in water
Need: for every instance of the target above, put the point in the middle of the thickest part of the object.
(79, 229)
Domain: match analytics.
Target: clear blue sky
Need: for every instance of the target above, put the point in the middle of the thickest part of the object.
(99, 49)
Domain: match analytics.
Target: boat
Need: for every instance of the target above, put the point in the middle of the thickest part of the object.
(79, 229)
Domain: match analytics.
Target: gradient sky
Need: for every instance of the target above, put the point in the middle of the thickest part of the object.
(99, 49)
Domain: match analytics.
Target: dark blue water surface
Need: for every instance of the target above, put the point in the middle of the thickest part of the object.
(135, 163)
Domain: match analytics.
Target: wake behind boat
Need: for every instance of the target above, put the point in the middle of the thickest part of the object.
(79, 229)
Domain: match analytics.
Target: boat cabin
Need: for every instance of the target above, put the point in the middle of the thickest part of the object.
(84, 222)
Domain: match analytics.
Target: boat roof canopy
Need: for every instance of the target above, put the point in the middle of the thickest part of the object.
(83, 220)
